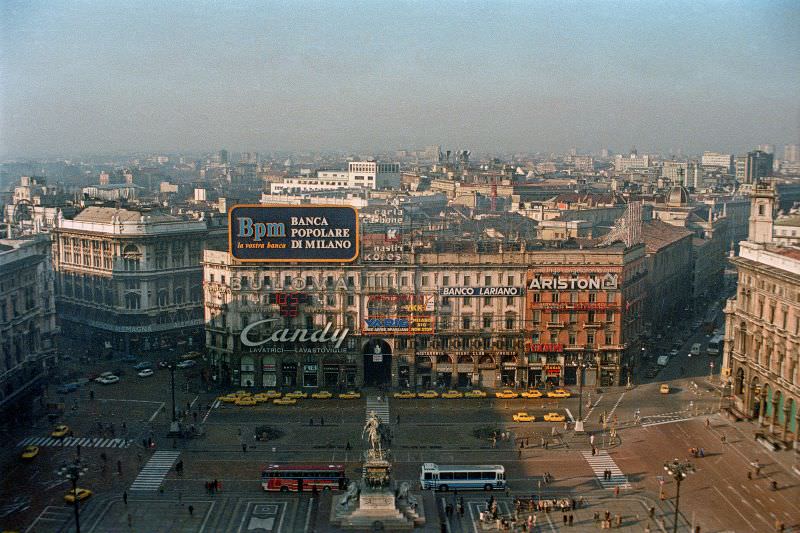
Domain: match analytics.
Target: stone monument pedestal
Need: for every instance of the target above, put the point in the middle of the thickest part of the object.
(376, 508)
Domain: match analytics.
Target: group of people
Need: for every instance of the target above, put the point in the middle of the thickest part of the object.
(212, 487)
(605, 520)
(697, 452)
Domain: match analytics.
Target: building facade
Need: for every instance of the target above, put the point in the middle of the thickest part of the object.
(27, 323)
(129, 280)
(456, 318)
(762, 330)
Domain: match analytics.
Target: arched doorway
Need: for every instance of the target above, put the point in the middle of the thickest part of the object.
(739, 384)
(755, 398)
(466, 367)
(444, 370)
(423, 371)
(377, 363)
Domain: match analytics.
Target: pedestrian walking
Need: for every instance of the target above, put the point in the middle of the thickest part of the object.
(191, 510)
(244, 447)
(723, 438)
(616, 491)
(311, 421)
(322, 421)
(125, 497)
(398, 420)
(347, 446)
(119, 467)
(520, 453)
(571, 519)
(565, 519)
(708, 423)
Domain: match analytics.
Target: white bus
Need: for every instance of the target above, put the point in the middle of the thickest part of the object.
(715, 345)
(462, 477)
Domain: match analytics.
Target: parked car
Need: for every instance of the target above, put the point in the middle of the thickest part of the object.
(406, 394)
(108, 380)
(67, 388)
(186, 364)
(146, 373)
(554, 417)
(522, 416)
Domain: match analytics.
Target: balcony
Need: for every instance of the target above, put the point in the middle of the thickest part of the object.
(594, 324)
(555, 324)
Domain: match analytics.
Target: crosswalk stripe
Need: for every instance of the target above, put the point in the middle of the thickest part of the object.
(601, 462)
(154, 472)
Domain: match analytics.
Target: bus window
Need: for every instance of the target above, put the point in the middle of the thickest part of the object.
(475, 475)
(446, 475)
(487, 475)
(460, 475)
(428, 475)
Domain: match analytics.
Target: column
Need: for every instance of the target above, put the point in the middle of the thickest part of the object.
(774, 416)
(786, 415)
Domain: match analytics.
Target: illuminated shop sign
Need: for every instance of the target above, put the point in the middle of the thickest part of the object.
(317, 283)
(314, 233)
(607, 282)
(287, 335)
(390, 252)
(401, 325)
(547, 347)
(481, 291)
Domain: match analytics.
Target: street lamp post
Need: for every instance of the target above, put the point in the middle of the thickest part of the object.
(579, 423)
(73, 472)
(174, 427)
(678, 470)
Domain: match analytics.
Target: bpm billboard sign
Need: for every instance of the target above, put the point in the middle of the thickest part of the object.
(314, 233)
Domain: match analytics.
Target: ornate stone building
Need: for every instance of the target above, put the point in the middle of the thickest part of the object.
(27, 322)
(449, 318)
(129, 280)
(762, 330)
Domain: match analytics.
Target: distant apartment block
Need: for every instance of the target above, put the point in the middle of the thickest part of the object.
(718, 160)
(359, 174)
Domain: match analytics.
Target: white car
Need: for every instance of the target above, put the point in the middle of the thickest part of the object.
(186, 364)
(146, 373)
(107, 380)
(673, 352)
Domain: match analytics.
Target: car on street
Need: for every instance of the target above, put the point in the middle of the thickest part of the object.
(60, 431)
(452, 394)
(349, 395)
(522, 416)
(190, 355)
(673, 352)
(554, 417)
(664, 388)
(272, 394)
(559, 393)
(78, 494)
(142, 365)
(404, 395)
(260, 397)
(246, 401)
(322, 395)
(506, 394)
(186, 364)
(475, 393)
(163, 364)
(108, 380)
(296, 394)
(428, 394)
(531, 394)
(66, 388)
(146, 373)
(29, 452)
(285, 401)
(228, 398)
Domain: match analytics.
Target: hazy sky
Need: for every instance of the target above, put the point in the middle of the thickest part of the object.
(92, 76)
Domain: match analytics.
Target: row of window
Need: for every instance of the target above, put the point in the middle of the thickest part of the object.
(572, 338)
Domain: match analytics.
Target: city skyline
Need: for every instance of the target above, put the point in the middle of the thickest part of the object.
(116, 77)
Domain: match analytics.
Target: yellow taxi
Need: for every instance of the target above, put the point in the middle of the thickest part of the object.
(285, 401)
(228, 398)
(246, 401)
(272, 394)
(322, 395)
(29, 452)
(452, 394)
(296, 394)
(532, 394)
(404, 395)
(476, 393)
(522, 416)
(428, 394)
(260, 397)
(349, 395)
(506, 394)
(60, 431)
(78, 494)
(554, 417)
(559, 393)
(664, 388)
